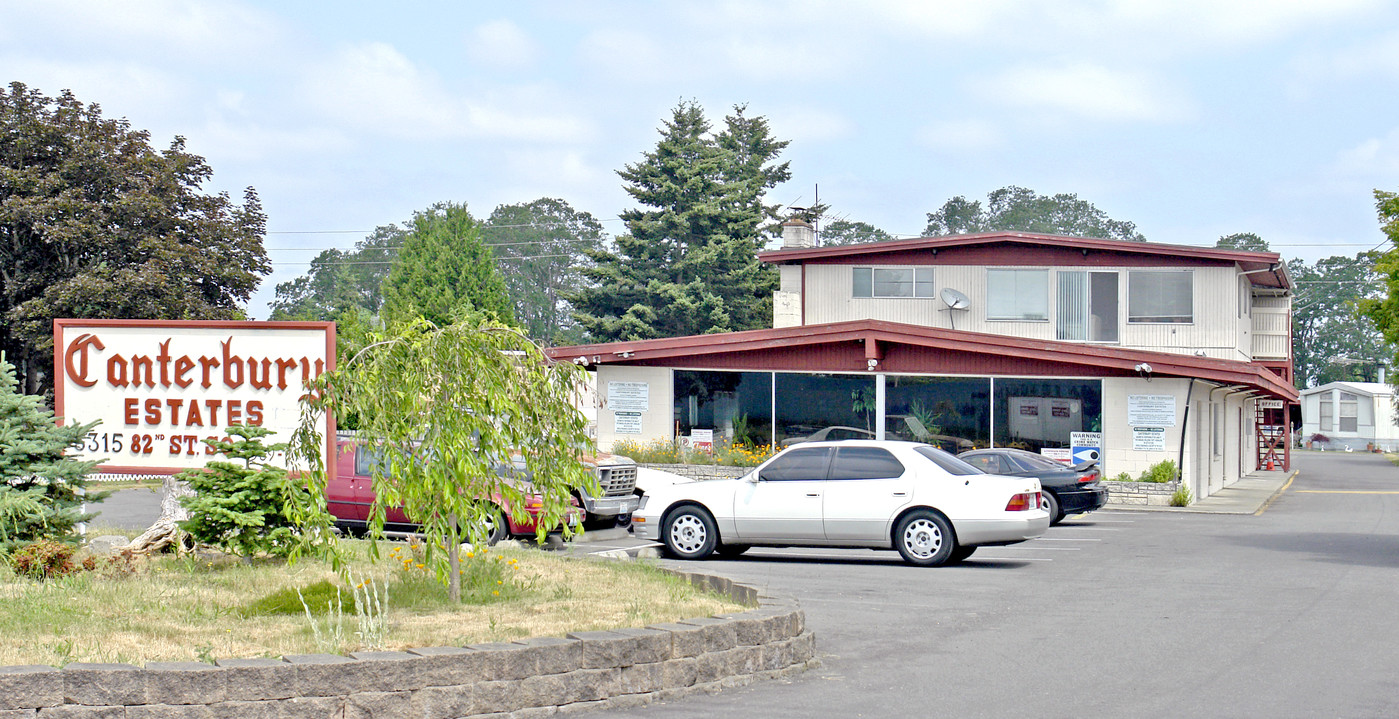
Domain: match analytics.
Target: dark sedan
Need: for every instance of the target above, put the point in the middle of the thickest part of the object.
(1067, 489)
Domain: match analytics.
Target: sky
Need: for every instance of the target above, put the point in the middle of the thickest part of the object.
(1192, 118)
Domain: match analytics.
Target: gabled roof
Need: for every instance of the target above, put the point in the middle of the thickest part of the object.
(1270, 270)
(1369, 389)
(900, 348)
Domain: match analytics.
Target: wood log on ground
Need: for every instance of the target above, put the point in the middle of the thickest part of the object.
(165, 534)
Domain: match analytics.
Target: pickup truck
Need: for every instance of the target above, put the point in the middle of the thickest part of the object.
(350, 495)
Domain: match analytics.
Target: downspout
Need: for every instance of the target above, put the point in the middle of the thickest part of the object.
(1184, 422)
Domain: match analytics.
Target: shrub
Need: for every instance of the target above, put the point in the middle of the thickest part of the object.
(1181, 497)
(1161, 472)
(245, 509)
(46, 559)
(1123, 477)
(662, 451)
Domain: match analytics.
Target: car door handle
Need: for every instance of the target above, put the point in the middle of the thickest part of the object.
(901, 494)
(813, 494)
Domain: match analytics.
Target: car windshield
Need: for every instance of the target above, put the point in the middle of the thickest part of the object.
(1030, 460)
(950, 464)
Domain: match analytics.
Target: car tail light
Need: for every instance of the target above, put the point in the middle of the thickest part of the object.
(1023, 502)
(1088, 477)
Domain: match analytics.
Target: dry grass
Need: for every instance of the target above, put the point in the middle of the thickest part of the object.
(173, 609)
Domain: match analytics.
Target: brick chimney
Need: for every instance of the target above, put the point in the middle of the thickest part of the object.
(797, 234)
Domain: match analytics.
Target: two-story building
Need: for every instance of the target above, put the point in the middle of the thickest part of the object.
(1133, 352)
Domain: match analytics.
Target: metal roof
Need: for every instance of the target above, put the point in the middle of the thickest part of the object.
(903, 348)
(1268, 268)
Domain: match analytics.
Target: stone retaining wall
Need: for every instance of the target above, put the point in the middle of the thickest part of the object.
(528, 678)
(1152, 494)
(702, 471)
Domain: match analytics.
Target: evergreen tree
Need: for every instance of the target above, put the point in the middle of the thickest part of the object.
(40, 485)
(1243, 241)
(688, 263)
(444, 267)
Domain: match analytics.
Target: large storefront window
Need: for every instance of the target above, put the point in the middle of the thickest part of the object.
(824, 406)
(1036, 413)
(951, 412)
(736, 405)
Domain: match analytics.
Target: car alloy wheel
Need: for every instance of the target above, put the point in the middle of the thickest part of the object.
(690, 533)
(1050, 504)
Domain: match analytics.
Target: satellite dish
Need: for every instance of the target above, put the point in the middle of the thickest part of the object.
(954, 299)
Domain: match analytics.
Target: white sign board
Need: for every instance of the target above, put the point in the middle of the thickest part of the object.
(1270, 404)
(1149, 439)
(628, 396)
(1058, 454)
(1085, 447)
(702, 439)
(1151, 410)
(160, 387)
(626, 422)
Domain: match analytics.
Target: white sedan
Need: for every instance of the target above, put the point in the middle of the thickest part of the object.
(930, 506)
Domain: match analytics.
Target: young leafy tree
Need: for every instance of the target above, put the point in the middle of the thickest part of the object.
(446, 406)
(1019, 209)
(249, 506)
(845, 232)
(42, 488)
(542, 249)
(1243, 241)
(444, 267)
(95, 222)
(1331, 339)
(339, 281)
(1383, 307)
(688, 263)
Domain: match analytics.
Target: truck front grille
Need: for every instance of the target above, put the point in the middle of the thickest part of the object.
(617, 481)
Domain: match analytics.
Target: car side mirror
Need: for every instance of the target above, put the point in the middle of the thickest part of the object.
(751, 478)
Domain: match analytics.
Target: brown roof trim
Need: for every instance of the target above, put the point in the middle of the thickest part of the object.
(1249, 260)
(1116, 361)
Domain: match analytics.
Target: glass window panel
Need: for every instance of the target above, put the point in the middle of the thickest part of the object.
(1326, 413)
(1017, 294)
(948, 412)
(812, 406)
(1032, 414)
(862, 282)
(1155, 296)
(736, 405)
(801, 464)
(923, 281)
(1102, 306)
(1072, 309)
(865, 463)
(950, 464)
(893, 282)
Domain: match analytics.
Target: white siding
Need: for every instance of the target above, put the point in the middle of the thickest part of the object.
(1272, 328)
(1215, 330)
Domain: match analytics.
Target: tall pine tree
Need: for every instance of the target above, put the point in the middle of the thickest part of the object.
(688, 263)
(444, 267)
(40, 485)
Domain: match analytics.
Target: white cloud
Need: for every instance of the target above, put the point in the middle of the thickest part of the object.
(959, 136)
(123, 89)
(627, 56)
(252, 142)
(1088, 91)
(802, 124)
(501, 43)
(1374, 160)
(376, 88)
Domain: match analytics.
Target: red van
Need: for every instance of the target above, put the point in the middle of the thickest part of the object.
(350, 494)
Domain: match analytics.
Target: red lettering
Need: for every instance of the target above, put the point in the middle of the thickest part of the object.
(116, 371)
(142, 365)
(164, 359)
(79, 347)
(206, 364)
(194, 418)
(132, 408)
(231, 362)
(152, 411)
(213, 406)
(174, 405)
(255, 412)
(235, 411)
(266, 381)
(282, 366)
(182, 367)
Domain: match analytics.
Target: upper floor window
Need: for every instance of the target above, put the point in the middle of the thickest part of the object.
(892, 282)
(1161, 296)
(1087, 306)
(1017, 294)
